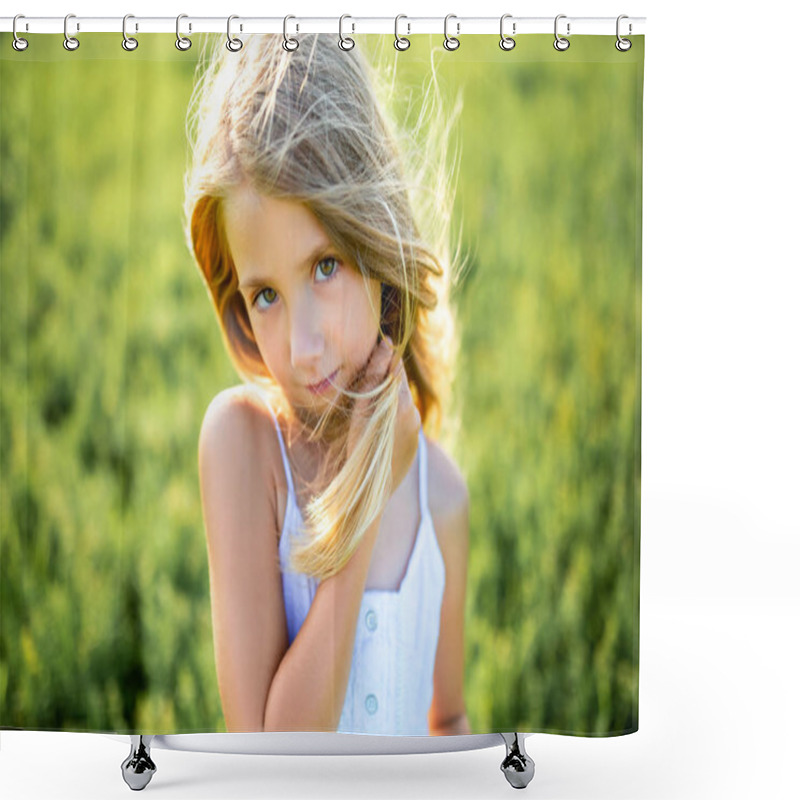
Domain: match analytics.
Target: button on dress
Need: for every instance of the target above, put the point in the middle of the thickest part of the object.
(390, 687)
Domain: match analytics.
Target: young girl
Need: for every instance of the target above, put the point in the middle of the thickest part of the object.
(337, 531)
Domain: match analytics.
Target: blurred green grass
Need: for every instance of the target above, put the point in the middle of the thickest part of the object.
(110, 353)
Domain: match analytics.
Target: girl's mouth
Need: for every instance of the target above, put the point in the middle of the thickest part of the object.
(323, 385)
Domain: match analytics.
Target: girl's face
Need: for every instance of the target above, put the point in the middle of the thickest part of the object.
(315, 316)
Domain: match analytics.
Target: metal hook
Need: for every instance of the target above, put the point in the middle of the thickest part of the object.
(345, 42)
(234, 43)
(400, 42)
(450, 42)
(128, 42)
(623, 45)
(70, 42)
(506, 42)
(560, 43)
(182, 42)
(289, 43)
(19, 44)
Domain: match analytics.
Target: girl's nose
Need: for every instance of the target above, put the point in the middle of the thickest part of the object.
(306, 341)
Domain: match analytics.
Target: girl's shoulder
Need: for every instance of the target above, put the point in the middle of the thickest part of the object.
(448, 500)
(448, 496)
(238, 437)
(241, 413)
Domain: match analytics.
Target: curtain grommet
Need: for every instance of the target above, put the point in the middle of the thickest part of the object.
(560, 43)
(129, 43)
(290, 44)
(507, 42)
(18, 43)
(400, 42)
(70, 42)
(183, 43)
(623, 45)
(346, 42)
(451, 42)
(234, 43)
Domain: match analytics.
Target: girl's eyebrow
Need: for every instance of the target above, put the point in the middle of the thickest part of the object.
(312, 258)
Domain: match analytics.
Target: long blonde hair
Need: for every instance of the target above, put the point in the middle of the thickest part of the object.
(307, 126)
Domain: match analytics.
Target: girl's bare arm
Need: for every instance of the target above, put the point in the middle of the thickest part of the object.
(449, 499)
(239, 513)
(309, 687)
(265, 684)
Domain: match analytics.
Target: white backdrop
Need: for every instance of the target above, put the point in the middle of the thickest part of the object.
(720, 612)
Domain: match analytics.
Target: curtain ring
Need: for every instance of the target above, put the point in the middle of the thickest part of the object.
(561, 43)
(289, 43)
(234, 43)
(182, 42)
(345, 42)
(450, 42)
(128, 42)
(506, 42)
(400, 42)
(623, 45)
(70, 42)
(19, 44)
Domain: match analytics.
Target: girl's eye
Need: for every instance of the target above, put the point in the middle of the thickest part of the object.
(269, 295)
(325, 268)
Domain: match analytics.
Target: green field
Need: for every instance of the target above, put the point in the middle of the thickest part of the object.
(110, 354)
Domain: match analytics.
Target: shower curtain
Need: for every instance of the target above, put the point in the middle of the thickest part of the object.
(502, 592)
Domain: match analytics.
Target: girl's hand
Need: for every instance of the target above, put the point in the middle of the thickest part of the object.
(382, 361)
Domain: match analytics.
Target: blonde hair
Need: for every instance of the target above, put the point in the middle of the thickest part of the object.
(307, 126)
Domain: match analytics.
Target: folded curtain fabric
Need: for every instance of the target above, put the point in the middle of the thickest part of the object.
(506, 187)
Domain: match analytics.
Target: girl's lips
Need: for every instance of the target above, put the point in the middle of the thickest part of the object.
(322, 386)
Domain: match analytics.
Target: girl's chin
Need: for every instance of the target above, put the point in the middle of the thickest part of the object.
(311, 408)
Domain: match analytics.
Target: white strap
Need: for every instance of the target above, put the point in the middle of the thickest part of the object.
(284, 455)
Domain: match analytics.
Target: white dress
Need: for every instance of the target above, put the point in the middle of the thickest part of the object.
(391, 676)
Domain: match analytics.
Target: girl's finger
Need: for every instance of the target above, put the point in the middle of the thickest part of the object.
(379, 363)
(374, 371)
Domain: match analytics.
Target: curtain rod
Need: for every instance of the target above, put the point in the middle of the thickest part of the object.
(457, 26)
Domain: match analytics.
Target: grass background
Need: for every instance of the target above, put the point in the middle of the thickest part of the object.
(110, 354)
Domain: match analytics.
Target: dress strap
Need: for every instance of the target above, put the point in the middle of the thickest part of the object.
(423, 463)
(284, 455)
(423, 473)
